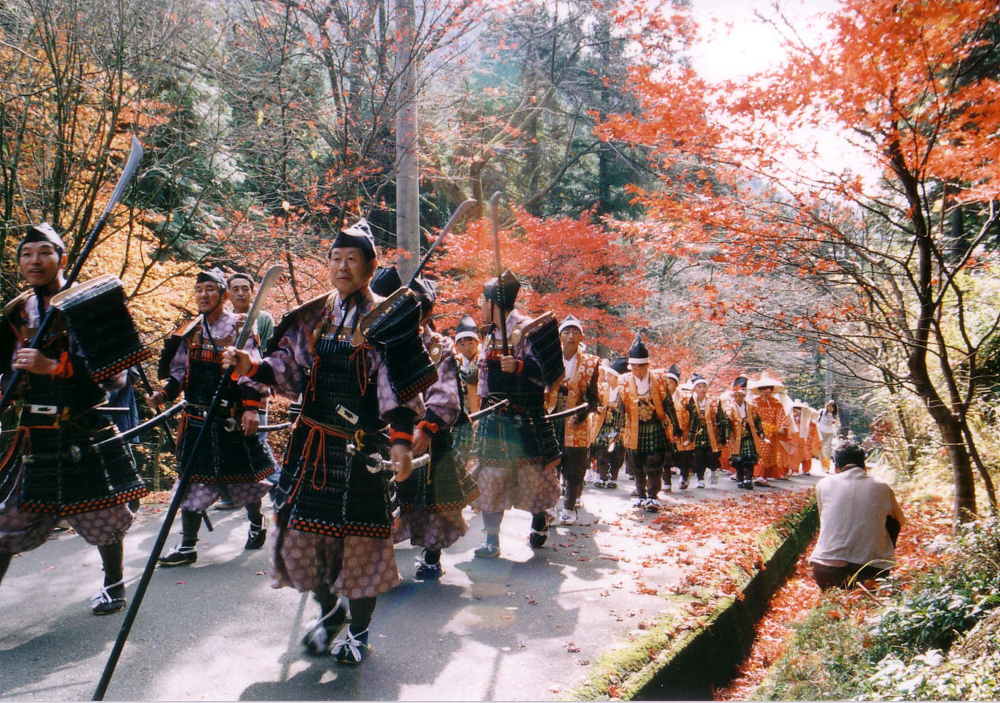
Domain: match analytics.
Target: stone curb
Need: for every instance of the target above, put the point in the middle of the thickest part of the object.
(689, 666)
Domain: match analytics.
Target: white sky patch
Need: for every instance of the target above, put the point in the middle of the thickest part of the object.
(736, 44)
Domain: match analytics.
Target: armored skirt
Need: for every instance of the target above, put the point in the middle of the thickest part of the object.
(334, 519)
(432, 499)
(227, 462)
(509, 468)
(52, 472)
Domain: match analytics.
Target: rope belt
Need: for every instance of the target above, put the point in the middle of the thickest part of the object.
(316, 440)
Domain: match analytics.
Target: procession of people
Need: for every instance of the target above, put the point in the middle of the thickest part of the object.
(402, 433)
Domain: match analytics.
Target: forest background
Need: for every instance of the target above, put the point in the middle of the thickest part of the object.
(638, 193)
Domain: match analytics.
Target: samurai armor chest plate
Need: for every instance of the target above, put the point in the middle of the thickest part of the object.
(652, 437)
(443, 486)
(325, 485)
(227, 455)
(204, 373)
(525, 396)
(613, 420)
(340, 378)
(77, 392)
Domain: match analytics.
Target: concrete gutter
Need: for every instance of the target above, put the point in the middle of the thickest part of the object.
(672, 663)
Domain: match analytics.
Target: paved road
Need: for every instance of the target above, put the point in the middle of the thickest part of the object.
(522, 627)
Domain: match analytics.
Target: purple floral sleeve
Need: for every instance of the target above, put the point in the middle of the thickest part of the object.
(442, 398)
(292, 357)
(387, 400)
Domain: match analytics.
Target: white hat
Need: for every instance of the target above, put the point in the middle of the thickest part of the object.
(766, 379)
(571, 321)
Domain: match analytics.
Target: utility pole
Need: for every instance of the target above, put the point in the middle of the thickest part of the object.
(407, 158)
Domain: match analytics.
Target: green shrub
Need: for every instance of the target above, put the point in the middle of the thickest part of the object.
(825, 661)
(946, 603)
(933, 676)
(898, 655)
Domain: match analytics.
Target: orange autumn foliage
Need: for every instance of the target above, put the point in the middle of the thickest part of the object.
(925, 520)
(823, 191)
(103, 129)
(739, 181)
(568, 266)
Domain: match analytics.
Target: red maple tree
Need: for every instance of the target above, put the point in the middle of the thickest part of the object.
(870, 270)
(566, 265)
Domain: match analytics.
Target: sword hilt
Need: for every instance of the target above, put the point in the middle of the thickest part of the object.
(377, 464)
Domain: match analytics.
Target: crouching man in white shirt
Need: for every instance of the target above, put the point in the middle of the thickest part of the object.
(859, 523)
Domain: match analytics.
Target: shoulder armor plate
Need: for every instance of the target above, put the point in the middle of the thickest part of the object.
(532, 326)
(10, 307)
(289, 317)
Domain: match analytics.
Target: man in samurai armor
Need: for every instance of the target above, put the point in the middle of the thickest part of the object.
(515, 451)
(432, 499)
(359, 365)
(676, 458)
(467, 358)
(241, 295)
(52, 468)
(578, 387)
(607, 449)
(650, 420)
(231, 461)
(684, 441)
(708, 429)
(774, 418)
(747, 436)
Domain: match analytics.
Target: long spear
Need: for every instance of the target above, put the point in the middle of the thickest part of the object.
(270, 278)
(135, 155)
(495, 225)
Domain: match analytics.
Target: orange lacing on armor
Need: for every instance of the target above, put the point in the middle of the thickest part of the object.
(20, 434)
(316, 430)
(182, 426)
(314, 368)
(363, 366)
(317, 437)
(64, 369)
(313, 375)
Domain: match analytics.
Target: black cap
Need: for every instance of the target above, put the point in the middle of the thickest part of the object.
(697, 378)
(43, 232)
(638, 354)
(386, 281)
(619, 365)
(359, 236)
(467, 328)
(674, 372)
(213, 275)
(740, 383)
(505, 293)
